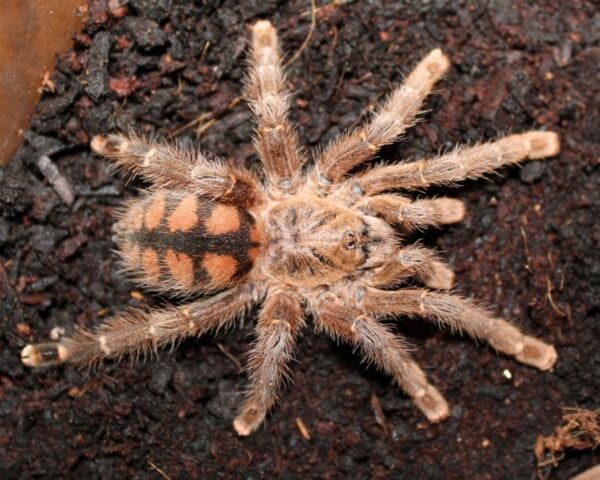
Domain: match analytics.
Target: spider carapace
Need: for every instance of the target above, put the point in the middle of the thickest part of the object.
(303, 240)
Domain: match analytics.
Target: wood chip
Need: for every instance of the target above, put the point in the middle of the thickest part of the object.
(60, 184)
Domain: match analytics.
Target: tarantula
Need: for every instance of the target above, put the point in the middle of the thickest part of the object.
(300, 241)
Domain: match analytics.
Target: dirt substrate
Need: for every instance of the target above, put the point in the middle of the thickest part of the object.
(528, 247)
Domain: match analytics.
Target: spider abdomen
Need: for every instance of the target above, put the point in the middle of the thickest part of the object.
(181, 243)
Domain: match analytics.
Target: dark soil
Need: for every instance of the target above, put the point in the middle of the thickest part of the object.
(529, 246)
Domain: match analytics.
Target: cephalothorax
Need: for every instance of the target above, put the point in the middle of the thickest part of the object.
(300, 241)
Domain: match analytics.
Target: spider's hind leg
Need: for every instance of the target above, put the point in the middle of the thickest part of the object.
(138, 333)
(278, 326)
(463, 315)
(388, 352)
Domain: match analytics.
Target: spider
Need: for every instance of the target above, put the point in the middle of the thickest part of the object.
(300, 240)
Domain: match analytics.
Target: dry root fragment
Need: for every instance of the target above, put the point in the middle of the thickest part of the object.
(581, 431)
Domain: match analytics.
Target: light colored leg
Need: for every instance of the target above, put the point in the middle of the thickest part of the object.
(463, 315)
(169, 167)
(276, 139)
(393, 118)
(417, 214)
(379, 346)
(139, 333)
(462, 163)
(278, 326)
(414, 262)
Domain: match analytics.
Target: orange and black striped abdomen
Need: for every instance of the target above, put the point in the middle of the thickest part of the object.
(181, 243)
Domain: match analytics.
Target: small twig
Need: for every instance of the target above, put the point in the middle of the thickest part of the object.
(378, 412)
(205, 50)
(204, 127)
(551, 300)
(231, 357)
(159, 470)
(333, 42)
(331, 5)
(311, 29)
(527, 256)
(192, 123)
(205, 120)
(234, 102)
(569, 316)
(179, 90)
(302, 428)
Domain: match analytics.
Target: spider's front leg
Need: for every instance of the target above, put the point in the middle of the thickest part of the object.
(463, 315)
(379, 346)
(169, 167)
(138, 333)
(460, 164)
(276, 139)
(391, 120)
(279, 324)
